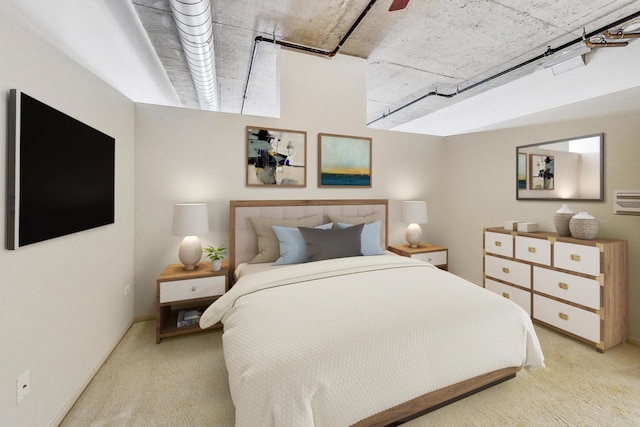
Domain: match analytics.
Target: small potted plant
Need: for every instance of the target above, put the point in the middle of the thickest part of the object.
(216, 255)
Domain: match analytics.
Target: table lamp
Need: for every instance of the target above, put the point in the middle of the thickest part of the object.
(189, 220)
(414, 213)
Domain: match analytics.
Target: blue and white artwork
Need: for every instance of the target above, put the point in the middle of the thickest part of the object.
(345, 161)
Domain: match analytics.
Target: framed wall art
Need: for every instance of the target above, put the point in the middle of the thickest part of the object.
(344, 161)
(276, 157)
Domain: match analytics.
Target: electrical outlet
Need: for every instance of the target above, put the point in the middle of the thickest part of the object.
(127, 288)
(23, 386)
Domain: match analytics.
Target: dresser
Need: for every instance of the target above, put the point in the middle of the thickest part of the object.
(577, 287)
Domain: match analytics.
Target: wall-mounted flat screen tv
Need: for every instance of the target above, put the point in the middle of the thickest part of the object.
(60, 173)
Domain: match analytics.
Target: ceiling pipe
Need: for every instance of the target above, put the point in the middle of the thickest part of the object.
(602, 43)
(329, 53)
(303, 48)
(195, 28)
(620, 35)
(548, 52)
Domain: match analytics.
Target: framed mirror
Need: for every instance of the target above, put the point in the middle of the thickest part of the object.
(566, 169)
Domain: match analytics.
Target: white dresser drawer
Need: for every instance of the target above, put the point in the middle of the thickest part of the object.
(579, 322)
(435, 258)
(580, 258)
(533, 250)
(579, 290)
(180, 290)
(498, 243)
(509, 271)
(520, 297)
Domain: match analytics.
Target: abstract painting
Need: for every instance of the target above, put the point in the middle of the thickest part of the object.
(344, 161)
(276, 157)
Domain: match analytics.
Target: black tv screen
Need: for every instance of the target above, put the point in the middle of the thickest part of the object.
(60, 173)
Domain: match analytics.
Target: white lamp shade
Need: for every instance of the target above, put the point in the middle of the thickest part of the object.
(414, 212)
(190, 219)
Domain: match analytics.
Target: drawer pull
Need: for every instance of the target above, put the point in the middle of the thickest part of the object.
(563, 316)
(532, 250)
(575, 257)
(505, 270)
(497, 243)
(563, 285)
(193, 289)
(505, 294)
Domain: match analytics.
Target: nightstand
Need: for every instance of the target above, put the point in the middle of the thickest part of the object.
(179, 289)
(433, 254)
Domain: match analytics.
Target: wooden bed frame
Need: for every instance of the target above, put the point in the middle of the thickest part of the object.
(437, 399)
(243, 246)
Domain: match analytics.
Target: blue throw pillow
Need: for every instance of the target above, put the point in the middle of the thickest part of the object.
(293, 248)
(369, 239)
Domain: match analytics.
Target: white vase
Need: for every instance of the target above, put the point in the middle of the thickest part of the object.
(216, 264)
(561, 220)
(583, 226)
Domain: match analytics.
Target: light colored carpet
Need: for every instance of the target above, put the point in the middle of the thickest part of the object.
(183, 382)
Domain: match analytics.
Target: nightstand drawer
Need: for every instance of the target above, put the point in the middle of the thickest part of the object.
(179, 290)
(435, 258)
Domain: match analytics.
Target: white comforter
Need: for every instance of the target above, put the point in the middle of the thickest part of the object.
(332, 342)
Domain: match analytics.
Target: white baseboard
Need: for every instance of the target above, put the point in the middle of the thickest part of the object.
(143, 318)
(65, 410)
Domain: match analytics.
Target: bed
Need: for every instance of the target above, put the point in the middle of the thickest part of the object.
(357, 340)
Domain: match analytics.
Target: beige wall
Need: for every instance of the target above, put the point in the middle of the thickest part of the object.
(198, 156)
(62, 306)
(480, 188)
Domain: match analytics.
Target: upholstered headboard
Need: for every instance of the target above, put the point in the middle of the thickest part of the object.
(243, 240)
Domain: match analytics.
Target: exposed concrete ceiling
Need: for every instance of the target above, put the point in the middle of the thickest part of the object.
(432, 45)
(443, 46)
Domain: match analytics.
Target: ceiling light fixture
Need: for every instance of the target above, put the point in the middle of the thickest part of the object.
(568, 65)
(193, 19)
(568, 60)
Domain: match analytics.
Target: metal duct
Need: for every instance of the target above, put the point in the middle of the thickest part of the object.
(193, 19)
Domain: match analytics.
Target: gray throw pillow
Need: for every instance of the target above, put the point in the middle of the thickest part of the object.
(332, 243)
